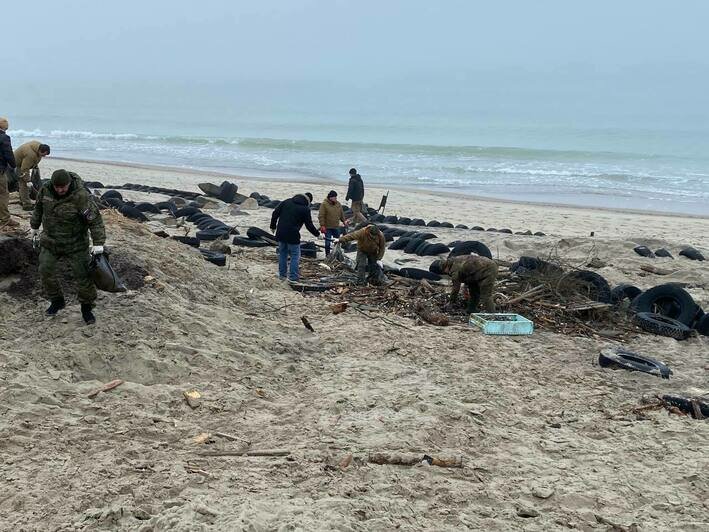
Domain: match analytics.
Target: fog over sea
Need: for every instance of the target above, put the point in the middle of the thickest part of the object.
(609, 143)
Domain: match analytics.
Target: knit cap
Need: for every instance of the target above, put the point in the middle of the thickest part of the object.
(61, 178)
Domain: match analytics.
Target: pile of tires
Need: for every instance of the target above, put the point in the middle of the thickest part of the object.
(669, 310)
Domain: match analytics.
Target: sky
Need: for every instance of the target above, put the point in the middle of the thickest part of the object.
(360, 41)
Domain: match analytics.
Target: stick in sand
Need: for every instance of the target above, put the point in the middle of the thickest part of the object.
(106, 387)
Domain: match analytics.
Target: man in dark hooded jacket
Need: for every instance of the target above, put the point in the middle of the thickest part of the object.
(355, 192)
(287, 220)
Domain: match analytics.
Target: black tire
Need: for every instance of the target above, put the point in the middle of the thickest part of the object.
(434, 223)
(113, 194)
(422, 247)
(256, 233)
(388, 237)
(391, 219)
(506, 231)
(669, 300)
(435, 249)
(702, 325)
(416, 273)
(212, 234)
(404, 221)
(615, 357)
(256, 196)
(539, 233)
(588, 283)
(132, 213)
(491, 230)
(400, 243)
(166, 206)
(249, 242)
(187, 211)
(196, 217)
(447, 225)
(114, 203)
(662, 252)
(662, 325)
(691, 253)
(208, 224)
(525, 233)
(436, 267)
(624, 291)
(214, 257)
(426, 236)
(377, 218)
(470, 246)
(144, 206)
(644, 251)
(477, 228)
(94, 184)
(461, 226)
(189, 240)
(539, 266)
(412, 245)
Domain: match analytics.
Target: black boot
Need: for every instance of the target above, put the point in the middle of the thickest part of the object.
(56, 306)
(86, 313)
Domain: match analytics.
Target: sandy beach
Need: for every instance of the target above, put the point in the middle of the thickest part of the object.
(549, 440)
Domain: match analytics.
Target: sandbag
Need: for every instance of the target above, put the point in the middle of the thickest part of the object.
(103, 275)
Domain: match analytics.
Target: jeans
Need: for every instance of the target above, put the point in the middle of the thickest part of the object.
(329, 235)
(284, 250)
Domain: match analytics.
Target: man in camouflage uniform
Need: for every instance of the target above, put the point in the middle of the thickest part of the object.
(67, 214)
(478, 274)
(27, 158)
(371, 245)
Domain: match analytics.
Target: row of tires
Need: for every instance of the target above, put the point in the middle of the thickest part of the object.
(418, 222)
(688, 252)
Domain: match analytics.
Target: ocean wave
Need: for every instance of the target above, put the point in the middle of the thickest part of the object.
(471, 153)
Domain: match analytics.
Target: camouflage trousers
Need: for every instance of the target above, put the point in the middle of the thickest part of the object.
(368, 269)
(23, 189)
(79, 263)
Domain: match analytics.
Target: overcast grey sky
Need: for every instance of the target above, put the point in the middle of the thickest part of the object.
(335, 39)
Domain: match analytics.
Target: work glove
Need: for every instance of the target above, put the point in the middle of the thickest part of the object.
(380, 264)
(34, 234)
(96, 250)
(323, 229)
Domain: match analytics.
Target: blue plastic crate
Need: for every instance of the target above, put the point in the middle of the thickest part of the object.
(502, 324)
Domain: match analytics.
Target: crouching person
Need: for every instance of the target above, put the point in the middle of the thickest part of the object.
(478, 274)
(371, 245)
(67, 215)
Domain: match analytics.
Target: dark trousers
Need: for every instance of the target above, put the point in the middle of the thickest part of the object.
(330, 234)
(79, 263)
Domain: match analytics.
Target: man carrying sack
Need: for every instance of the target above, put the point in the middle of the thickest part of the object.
(67, 215)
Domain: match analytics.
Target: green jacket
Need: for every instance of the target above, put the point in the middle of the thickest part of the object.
(366, 243)
(68, 219)
(470, 269)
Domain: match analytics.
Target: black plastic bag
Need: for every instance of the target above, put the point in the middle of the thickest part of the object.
(103, 275)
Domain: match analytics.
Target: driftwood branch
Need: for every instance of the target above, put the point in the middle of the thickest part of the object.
(265, 452)
(410, 459)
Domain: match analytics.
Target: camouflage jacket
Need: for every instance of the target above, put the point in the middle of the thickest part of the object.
(68, 219)
(471, 269)
(366, 243)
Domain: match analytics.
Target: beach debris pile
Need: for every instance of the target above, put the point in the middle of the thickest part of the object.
(569, 301)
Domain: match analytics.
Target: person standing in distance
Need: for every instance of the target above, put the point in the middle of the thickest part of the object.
(7, 165)
(67, 215)
(355, 192)
(287, 220)
(330, 215)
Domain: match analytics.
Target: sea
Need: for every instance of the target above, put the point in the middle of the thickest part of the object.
(476, 139)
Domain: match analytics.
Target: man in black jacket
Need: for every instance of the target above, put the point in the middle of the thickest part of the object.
(287, 220)
(7, 165)
(355, 192)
